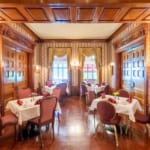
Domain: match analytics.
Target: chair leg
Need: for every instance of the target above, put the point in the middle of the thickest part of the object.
(94, 117)
(128, 126)
(99, 125)
(58, 118)
(15, 134)
(53, 129)
(116, 135)
(40, 137)
(148, 129)
(96, 130)
(47, 127)
(121, 132)
(21, 132)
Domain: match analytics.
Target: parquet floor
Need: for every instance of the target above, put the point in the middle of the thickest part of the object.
(76, 131)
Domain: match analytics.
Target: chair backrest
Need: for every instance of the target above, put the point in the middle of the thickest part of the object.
(47, 109)
(90, 96)
(103, 83)
(107, 89)
(63, 87)
(106, 111)
(24, 93)
(57, 93)
(83, 89)
(1, 109)
(123, 93)
(49, 83)
(39, 89)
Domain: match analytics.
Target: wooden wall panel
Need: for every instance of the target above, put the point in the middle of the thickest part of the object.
(147, 17)
(1, 18)
(133, 72)
(133, 14)
(22, 69)
(38, 14)
(85, 14)
(15, 72)
(13, 13)
(109, 14)
(61, 14)
(81, 12)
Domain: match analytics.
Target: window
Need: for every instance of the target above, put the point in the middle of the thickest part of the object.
(60, 69)
(89, 69)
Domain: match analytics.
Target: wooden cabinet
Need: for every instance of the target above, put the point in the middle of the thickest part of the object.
(132, 67)
(16, 63)
(15, 71)
(133, 71)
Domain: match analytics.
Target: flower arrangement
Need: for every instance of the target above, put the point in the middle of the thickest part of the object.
(116, 94)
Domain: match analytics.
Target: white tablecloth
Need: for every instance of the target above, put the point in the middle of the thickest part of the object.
(95, 88)
(28, 109)
(49, 89)
(122, 106)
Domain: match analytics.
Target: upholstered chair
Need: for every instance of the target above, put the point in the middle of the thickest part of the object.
(90, 96)
(8, 120)
(108, 116)
(83, 90)
(63, 92)
(24, 93)
(144, 120)
(123, 93)
(47, 114)
(57, 93)
(106, 90)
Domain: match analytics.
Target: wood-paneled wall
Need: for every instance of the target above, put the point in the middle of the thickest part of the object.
(16, 61)
(131, 58)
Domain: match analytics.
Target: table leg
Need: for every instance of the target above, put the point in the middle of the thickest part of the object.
(20, 133)
(128, 127)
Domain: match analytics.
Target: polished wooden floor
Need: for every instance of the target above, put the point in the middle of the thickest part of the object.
(76, 131)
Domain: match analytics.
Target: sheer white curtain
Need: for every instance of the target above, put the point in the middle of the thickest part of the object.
(60, 69)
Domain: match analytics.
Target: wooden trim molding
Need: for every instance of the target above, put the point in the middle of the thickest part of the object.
(8, 33)
(133, 39)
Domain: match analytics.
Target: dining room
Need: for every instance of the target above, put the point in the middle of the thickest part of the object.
(82, 55)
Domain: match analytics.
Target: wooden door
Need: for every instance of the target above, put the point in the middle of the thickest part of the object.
(133, 72)
(15, 72)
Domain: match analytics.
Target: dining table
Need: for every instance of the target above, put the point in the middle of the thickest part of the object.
(122, 105)
(95, 88)
(28, 109)
(125, 106)
(49, 89)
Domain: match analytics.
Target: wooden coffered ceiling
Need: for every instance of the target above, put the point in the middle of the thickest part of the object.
(71, 11)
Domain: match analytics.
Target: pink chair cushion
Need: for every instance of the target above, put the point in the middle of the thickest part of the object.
(142, 118)
(8, 119)
(49, 83)
(90, 96)
(107, 113)
(123, 93)
(47, 107)
(57, 93)
(24, 93)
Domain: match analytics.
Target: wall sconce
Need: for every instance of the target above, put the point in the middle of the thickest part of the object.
(112, 68)
(37, 68)
(75, 64)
